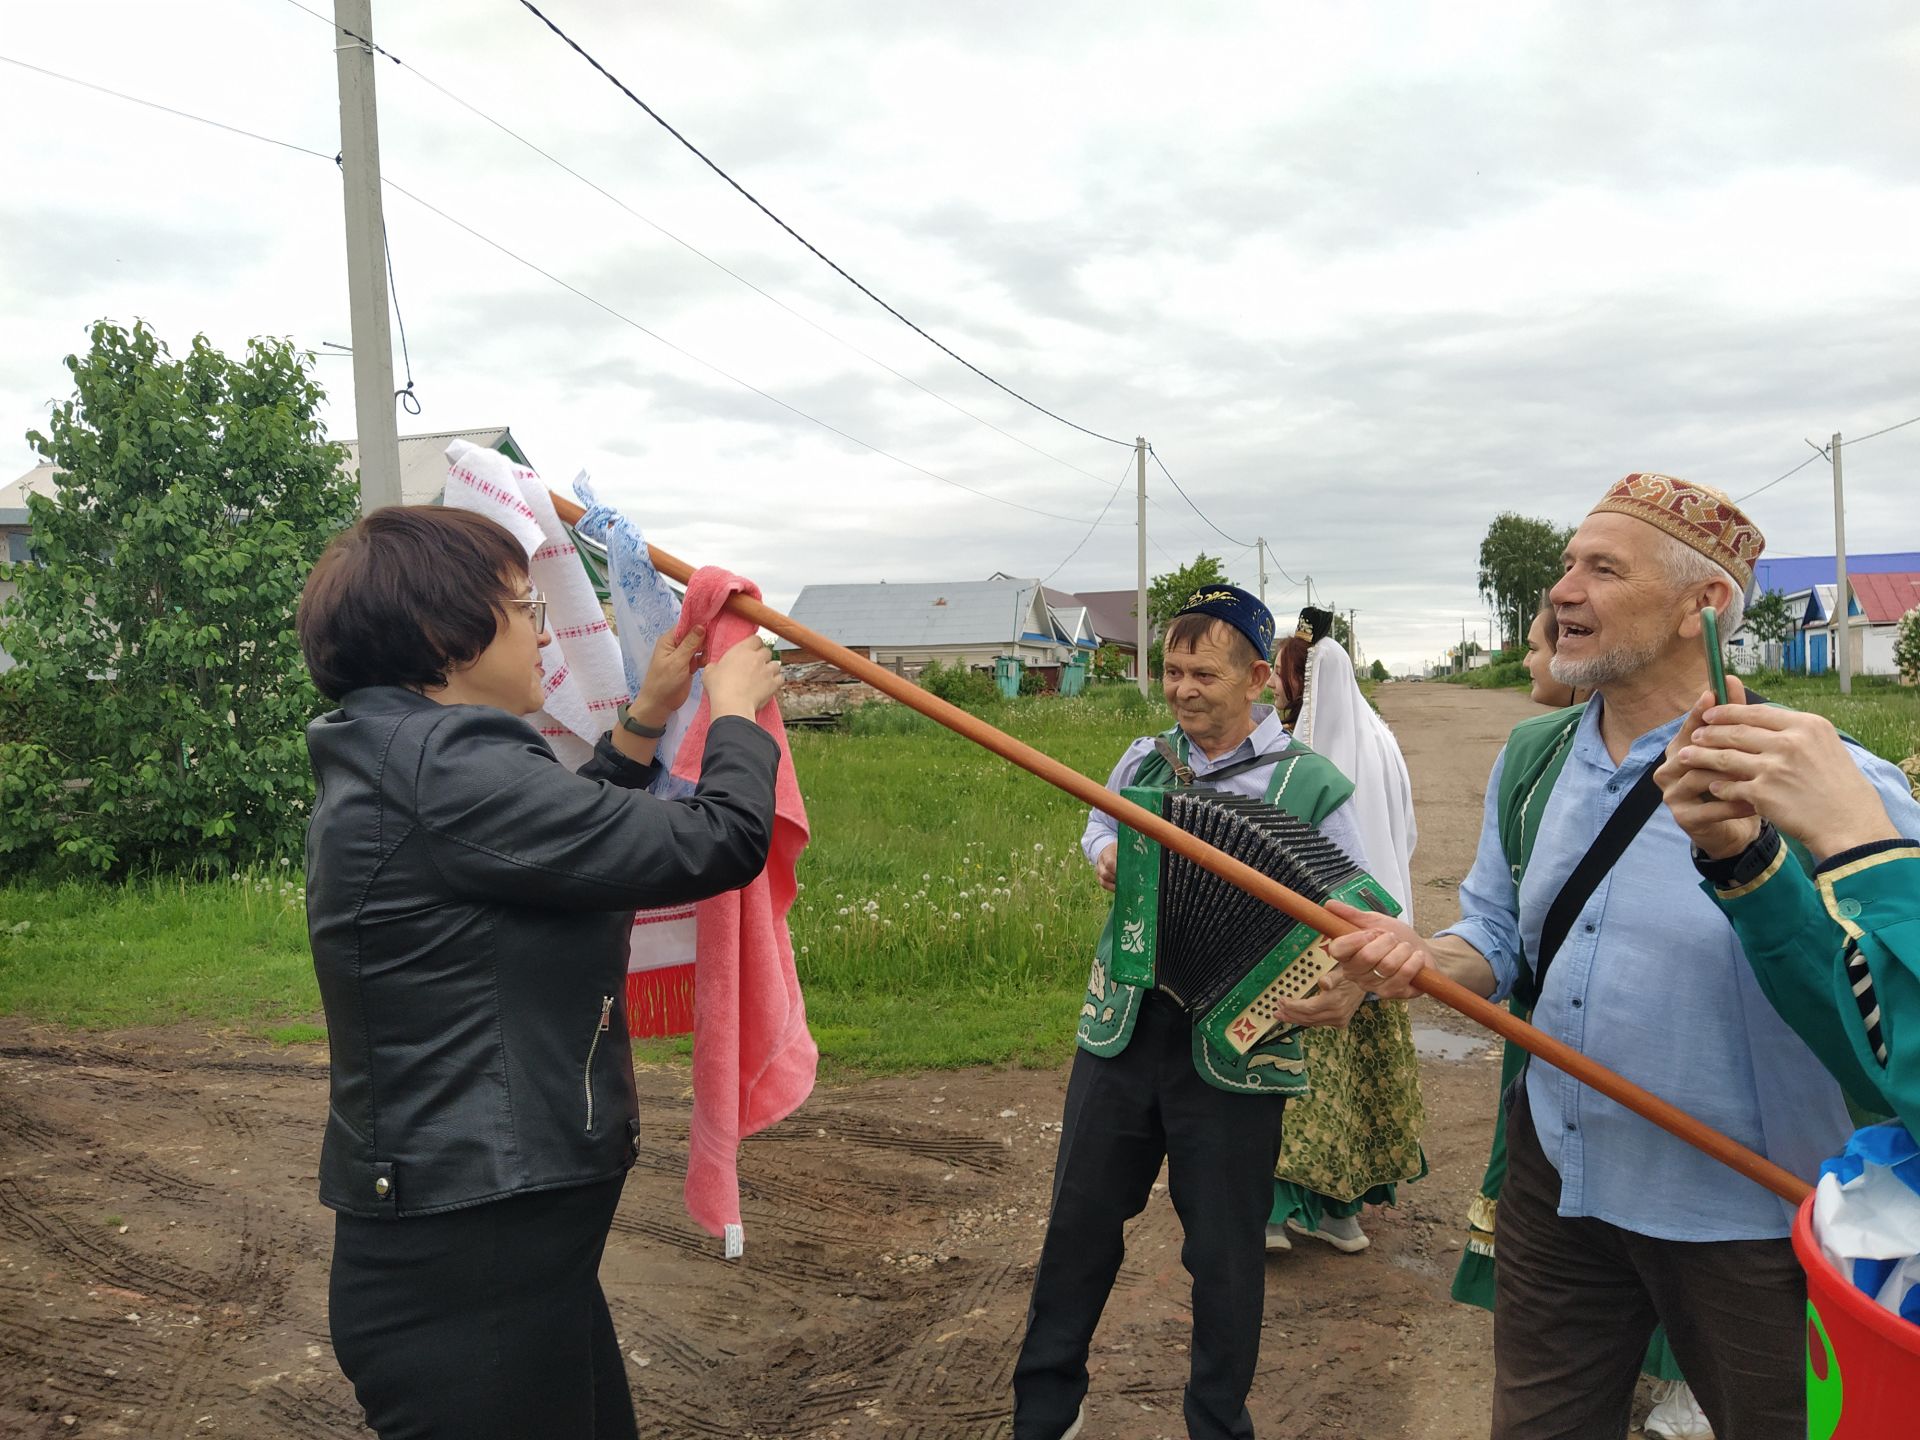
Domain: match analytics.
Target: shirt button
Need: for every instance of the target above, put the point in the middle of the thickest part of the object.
(1571, 1126)
(1576, 1002)
(1588, 927)
(1849, 908)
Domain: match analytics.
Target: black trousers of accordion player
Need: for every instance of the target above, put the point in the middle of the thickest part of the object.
(486, 1323)
(1123, 1116)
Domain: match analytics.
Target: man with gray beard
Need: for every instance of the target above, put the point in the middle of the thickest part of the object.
(1584, 899)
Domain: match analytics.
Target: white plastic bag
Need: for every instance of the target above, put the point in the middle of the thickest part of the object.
(1866, 1216)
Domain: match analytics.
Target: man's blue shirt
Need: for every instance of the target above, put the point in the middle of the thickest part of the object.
(1651, 982)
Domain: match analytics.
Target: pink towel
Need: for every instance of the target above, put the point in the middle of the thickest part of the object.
(753, 1059)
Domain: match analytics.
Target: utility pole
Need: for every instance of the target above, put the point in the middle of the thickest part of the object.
(1140, 600)
(1353, 639)
(1842, 604)
(1260, 547)
(1463, 644)
(366, 258)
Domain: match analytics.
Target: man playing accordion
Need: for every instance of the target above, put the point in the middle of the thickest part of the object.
(1146, 1084)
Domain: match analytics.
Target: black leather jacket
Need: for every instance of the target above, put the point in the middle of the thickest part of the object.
(469, 903)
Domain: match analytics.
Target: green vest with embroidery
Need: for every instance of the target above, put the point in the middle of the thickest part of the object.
(1307, 786)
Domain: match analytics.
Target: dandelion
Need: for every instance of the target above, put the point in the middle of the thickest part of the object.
(1038, 846)
(987, 905)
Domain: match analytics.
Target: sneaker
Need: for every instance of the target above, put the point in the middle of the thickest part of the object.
(1344, 1234)
(1078, 1420)
(1277, 1238)
(1677, 1415)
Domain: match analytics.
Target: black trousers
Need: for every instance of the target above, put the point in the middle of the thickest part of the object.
(483, 1324)
(1123, 1115)
(1575, 1301)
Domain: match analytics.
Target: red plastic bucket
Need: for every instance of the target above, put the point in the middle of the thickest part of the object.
(1863, 1362)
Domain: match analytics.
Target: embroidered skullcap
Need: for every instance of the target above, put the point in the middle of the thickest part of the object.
(1698, 516)
(1242, 611)
(1315, 624)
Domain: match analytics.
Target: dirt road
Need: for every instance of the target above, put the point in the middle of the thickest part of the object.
(163, 1260)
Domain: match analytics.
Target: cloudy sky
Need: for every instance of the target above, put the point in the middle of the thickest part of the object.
(1365, 275)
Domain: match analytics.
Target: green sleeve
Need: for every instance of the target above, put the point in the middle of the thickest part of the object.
(1875, 902)
(1794, 947)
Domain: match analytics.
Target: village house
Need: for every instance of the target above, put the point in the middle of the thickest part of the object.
(1885, 587)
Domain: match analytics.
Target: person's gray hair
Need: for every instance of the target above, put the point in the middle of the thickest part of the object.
(1686, 568)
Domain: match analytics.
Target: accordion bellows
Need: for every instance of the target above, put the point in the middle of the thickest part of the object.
(1225, 957)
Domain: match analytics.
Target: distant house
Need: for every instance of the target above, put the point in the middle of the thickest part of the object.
(1113, 614)
(1881, 585)
(423, 478)
(956, 622)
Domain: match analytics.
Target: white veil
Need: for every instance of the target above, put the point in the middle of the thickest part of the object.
(1336, 721)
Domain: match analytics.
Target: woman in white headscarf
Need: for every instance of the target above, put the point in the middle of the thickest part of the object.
(1357, 1136)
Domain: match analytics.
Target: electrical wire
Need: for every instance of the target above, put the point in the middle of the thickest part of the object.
(1231, 540)
(689, 246)
(1877, 433)
(166, 109)
(819, 254)
(728, 375)
(574, 289)
(1817, 455)
(1124, 474)
(408, 400)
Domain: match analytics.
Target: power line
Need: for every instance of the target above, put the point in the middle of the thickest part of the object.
(574, 289)
(747, 385)
(166, 109)
(688, 245)
(1124, 475)
(1877, 433)
(1244, 544)
(658, 119)
(1817, 455)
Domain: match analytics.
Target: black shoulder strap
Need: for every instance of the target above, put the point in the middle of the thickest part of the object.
(1183, 772)
(1607, 848)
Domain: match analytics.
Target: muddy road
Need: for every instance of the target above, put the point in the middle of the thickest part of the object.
(163, 1260)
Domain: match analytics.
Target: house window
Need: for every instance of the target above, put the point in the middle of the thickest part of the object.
(19, 547)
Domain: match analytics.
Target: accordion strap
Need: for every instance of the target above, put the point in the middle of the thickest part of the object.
(1183, 771)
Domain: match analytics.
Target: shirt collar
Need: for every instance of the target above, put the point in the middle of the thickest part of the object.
(1592, 749)
(1269, 734)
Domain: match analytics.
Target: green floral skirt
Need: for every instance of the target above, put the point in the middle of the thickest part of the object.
(1358, 1133)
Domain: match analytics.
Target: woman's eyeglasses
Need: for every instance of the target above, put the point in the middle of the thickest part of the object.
(536, 608)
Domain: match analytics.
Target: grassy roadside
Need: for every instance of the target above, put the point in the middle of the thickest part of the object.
(946, 916)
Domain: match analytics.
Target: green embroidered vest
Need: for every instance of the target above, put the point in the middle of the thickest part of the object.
(1307, 786)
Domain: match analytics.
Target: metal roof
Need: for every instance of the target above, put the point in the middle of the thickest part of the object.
(957, 612)
(1797, 574)
(1883, 599)
(13, 496)
(1112, 613)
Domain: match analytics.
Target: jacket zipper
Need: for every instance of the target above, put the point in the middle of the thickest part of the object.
(606, 1024)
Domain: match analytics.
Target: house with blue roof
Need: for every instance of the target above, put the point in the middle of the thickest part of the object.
(1885, 586)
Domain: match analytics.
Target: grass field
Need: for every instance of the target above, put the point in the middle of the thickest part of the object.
(946, 915)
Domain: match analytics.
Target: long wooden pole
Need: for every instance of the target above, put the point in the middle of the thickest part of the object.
(1501, 1021)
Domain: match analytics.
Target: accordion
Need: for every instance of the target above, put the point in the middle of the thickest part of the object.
(1225, 957)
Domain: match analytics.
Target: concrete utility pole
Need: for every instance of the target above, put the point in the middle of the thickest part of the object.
(1260, 547)
(1140, 601)
(366, 259)
(1842, 603)
(1353, 639)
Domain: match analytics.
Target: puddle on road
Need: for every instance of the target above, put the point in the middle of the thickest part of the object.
(1433, 1044)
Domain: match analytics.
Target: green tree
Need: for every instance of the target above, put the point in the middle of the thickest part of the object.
(1519, 557)
(1768, 618)
(1377, 670)
(155, 716)
(1109, 663)
(1168, 594)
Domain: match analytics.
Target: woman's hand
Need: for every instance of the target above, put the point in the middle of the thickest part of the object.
(1720, 828)
(1792, 768)
(669, 677)
(743, 679)
(1383, 956)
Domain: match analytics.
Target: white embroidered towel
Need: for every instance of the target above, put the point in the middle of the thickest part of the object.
(586, 681)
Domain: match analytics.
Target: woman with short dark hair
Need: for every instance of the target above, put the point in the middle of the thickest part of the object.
(469, 904)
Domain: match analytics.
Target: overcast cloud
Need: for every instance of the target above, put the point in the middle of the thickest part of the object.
(1364, 274)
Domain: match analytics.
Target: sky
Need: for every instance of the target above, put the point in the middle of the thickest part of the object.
(1365, 275)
